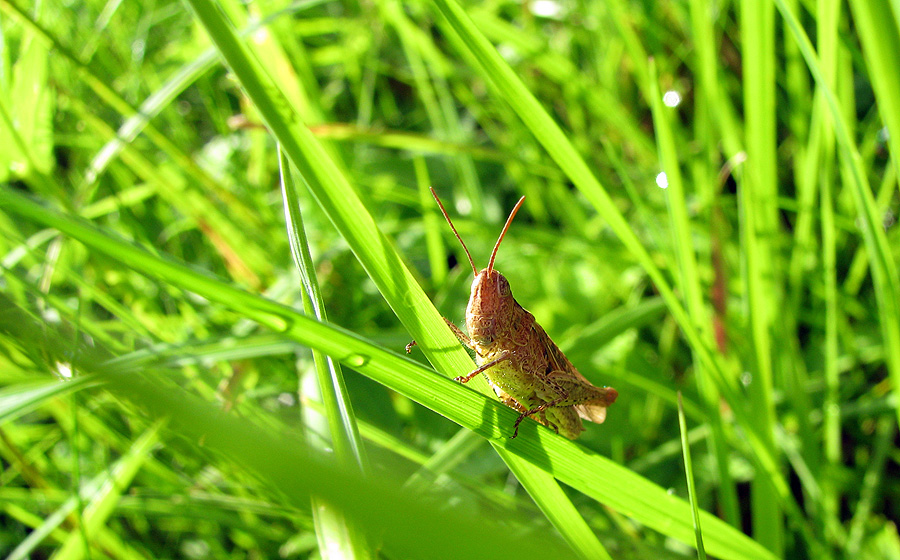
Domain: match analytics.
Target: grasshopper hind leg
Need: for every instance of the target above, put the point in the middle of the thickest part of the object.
(563, 420)
(519, 407)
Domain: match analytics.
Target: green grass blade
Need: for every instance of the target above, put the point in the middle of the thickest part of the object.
(454, 451)
(689, 474)
(21, 398)
(564, 516)
(759, 223)
(105, 489)
(433, 224)
(339, 412)
(879, 32)
(872, 481)
(338, 537)
(102, 505)
(689, 281)
(823, 142)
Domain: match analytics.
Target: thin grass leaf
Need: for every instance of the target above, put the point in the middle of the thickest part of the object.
(451, 454)
(828, 21)
(759, 222)
(433, 225)
(689, 474)
(564, 516)
(879, 33)
(100, 506)
(337, 535)
(339, 411)
(21, 398)
(105, 491)
(873, 480)
(688, 279)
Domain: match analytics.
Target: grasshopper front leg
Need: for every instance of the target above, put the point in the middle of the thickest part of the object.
(467, 342)
(463, 337)
(505, 355)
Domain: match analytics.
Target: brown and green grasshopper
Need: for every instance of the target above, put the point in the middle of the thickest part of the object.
(524, 367)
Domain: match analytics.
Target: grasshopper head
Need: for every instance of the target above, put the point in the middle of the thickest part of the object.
(491, 301)
(491, 304)
(490, 286)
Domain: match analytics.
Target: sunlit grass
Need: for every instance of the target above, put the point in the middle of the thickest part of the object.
(145, 252)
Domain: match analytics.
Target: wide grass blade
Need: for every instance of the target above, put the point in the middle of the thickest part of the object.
(759, 223)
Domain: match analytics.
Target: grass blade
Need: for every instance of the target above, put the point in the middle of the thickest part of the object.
(689, 474)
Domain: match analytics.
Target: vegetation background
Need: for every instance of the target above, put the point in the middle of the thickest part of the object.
(195, 195)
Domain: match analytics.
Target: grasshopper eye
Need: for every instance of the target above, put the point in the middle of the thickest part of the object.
(503, 286)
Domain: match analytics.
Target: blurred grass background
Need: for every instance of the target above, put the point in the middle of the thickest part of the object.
(189, 189)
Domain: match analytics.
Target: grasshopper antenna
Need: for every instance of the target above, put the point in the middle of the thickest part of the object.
(509, 220)
(456, 233)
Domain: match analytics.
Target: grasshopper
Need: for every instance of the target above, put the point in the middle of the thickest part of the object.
(527, 371)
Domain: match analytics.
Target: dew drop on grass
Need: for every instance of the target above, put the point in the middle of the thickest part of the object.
(671, 98)
(357, 360)
(279, 323)
(546, 8)
(662, 181)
